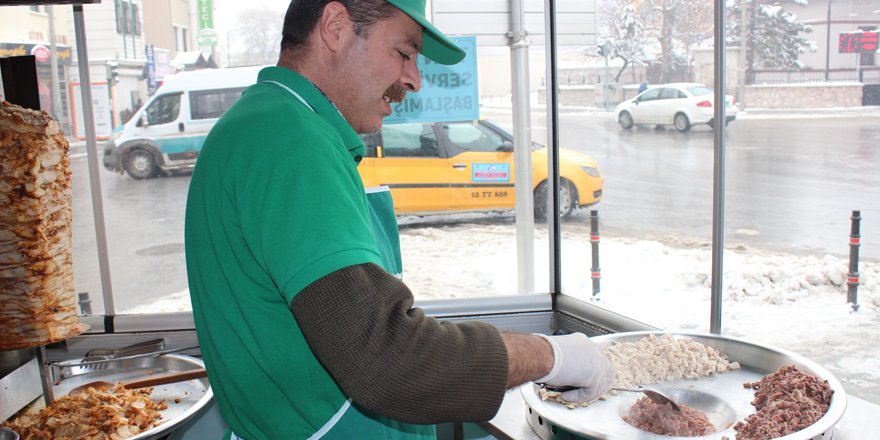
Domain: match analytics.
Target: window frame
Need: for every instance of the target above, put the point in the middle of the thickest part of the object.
(549, 306)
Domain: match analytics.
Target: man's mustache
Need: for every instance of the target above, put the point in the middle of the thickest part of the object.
(396, 93)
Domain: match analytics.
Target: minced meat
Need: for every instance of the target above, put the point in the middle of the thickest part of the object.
(786, 401)
(650, 416)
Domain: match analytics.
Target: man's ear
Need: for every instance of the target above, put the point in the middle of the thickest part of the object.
(332, 25)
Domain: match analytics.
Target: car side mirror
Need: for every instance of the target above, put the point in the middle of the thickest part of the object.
(506, 147)
(143, 122)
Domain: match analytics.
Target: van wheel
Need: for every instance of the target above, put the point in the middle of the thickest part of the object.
(567, 199)
(140, 164)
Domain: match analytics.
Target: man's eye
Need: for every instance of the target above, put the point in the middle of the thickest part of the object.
(404, 55)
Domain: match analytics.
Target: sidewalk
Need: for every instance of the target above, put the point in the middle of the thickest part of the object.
(871, 111)
(749, 113)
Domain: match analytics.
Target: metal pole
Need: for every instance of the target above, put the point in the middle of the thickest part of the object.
(522, 141)
(718, 180)
(53, 60)
(828, 42)
(606, 86)
(45, 377)
(743, 59)
(553, 219)
(92, 158)
(852, 277)
(595, 271)
(228, 51)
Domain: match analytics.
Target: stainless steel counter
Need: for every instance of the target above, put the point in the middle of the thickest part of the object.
(861, 421)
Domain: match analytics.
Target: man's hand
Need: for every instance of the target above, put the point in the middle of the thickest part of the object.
(579, 362)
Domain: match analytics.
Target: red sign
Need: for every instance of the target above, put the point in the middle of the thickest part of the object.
(858, 42)
(41, 53)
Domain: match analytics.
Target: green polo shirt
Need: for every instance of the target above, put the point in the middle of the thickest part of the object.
(275, 203)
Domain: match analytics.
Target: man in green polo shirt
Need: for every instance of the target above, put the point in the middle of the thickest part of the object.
(304, 333)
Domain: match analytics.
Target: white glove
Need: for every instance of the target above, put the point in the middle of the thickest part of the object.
(578, 362)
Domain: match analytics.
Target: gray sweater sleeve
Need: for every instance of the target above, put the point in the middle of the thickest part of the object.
(392, 359)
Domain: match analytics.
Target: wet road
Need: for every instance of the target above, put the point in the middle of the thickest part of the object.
(792, 181)
(791, 186)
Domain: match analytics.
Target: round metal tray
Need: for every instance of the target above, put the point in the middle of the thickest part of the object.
(184, 399)
(721, 396)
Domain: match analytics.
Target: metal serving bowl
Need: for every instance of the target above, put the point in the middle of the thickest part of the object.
(184, 399)
(8, 434)
(721, 396)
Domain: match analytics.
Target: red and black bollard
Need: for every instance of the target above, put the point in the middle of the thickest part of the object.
(852, 277)
(595, 272)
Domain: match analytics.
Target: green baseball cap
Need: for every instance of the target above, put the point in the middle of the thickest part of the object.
(435, 45)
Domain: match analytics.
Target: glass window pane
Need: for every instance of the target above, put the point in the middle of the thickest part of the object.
(209, 104)
(164, 109)
(470, 137)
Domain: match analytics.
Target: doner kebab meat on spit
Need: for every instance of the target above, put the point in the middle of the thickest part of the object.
(37, 298)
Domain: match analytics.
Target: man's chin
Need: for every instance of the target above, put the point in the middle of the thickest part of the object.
(369, 128)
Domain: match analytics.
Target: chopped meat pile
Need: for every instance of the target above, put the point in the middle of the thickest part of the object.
(96, 414)
(786, 402)
(650, 416)
(655, 359)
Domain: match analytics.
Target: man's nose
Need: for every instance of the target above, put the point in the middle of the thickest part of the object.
(411, 79)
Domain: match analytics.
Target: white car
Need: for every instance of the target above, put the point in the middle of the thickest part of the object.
(680, 104)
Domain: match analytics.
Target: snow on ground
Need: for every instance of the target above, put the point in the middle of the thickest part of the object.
(793, 302)
(797, 303)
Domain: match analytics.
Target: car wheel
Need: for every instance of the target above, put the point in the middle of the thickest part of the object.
(140, 164)
(625, 120)
(681, 122)
(567, 199)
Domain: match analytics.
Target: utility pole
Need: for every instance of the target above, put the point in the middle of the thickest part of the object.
(53, 61)
(828, 41)
(743, 48)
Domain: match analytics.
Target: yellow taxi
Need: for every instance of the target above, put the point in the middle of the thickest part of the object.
(438, 167)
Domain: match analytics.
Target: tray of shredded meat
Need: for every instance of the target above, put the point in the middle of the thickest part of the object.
(725, 386)
(115, 413)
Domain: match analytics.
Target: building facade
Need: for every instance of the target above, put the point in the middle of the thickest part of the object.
(46, 33)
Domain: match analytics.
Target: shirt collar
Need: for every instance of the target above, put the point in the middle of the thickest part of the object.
(320, 103)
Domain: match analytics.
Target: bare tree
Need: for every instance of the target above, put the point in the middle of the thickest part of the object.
(621, 35)
(257, 38)
(677, 25)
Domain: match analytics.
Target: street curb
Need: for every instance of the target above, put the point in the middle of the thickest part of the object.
(751, 113)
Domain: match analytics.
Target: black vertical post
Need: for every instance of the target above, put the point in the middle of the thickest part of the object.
(595, 272)
(85, 303)
(852, 277)
(20, 81)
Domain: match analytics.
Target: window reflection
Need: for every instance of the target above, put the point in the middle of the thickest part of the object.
(797, 165)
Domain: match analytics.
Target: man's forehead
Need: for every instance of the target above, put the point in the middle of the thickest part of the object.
(415, 44)
(410, 31)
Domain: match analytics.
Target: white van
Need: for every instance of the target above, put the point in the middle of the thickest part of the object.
(168, 131)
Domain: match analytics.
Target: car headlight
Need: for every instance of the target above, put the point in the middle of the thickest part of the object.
(592, 171)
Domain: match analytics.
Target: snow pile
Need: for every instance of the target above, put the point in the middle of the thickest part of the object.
(789, 301)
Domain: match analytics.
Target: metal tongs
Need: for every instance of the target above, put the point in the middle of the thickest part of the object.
(100, 354)
(98, 358)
